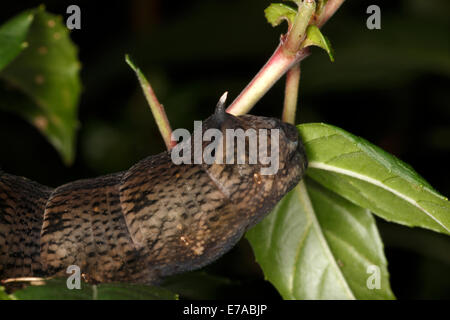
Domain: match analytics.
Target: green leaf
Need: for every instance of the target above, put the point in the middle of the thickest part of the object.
(57, 289)
(314, 37)
(4, 295)
(46, 73)
(320, 247)
(372, 178)
(277, 12)
(352, 234)
(122, 291)
(12, 37)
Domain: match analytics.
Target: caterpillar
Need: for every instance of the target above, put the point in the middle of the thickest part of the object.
(153, 220)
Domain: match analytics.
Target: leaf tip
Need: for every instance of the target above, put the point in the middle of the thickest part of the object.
(133, 66)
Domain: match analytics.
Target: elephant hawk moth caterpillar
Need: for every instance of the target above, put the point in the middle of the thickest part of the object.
(153, 220)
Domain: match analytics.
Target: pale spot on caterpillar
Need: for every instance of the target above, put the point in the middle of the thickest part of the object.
(257, 178)
(184, 240)
(61, 252)
(198, 249)
(40, 122)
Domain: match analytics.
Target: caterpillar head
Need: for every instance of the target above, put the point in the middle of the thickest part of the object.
(260, 159)
(233, 172)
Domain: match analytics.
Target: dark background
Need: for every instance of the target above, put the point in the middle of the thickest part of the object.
(390, 86)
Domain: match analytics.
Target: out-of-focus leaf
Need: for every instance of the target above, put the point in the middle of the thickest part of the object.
(372, 178)
(277, 12)
(57, 289)
(315, 38)
(4, 295)
(47, 73)
(320, 247)
(122, 291)
(12, 37)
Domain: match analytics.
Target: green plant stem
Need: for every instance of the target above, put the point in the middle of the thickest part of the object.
(157, 108)
(291, 94)
(293, 75)
(289, 110)
(296, 34)
(277, 66)
(285, 56)
(328, 11)
(279, 63)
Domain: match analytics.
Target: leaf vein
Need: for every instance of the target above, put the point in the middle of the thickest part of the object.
(326, 167)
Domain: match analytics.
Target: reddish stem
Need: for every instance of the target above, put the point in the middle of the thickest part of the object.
(291, 94)
(328, 11)
(160, 116)
(279, 63)
(276, 66)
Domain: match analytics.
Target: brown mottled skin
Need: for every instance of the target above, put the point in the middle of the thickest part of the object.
(153, 220)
